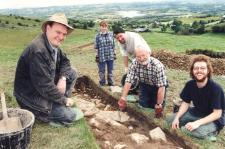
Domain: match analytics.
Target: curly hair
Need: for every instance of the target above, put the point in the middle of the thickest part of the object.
(201, 58)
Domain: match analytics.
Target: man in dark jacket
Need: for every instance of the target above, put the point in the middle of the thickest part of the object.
(44, 78)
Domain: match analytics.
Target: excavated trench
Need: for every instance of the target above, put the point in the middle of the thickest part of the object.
(121, 130)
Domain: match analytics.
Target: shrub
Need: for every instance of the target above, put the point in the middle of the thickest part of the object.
(207, 52)
(218, 28)
(37, 20)
(20, 24)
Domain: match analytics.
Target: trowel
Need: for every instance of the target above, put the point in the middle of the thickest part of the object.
(8, 124)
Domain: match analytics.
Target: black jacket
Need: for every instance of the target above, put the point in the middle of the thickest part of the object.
(36, 75)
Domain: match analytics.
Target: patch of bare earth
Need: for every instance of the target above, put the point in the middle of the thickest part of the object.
(182, 61)
(114, 129)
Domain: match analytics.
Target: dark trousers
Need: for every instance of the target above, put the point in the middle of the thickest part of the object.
(148, 95)
(101, 71)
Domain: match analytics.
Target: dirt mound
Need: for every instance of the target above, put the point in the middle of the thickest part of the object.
(108, 134)
(182, 61)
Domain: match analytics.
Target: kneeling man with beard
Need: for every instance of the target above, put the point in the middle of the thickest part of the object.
(150, 73)
(206, 118)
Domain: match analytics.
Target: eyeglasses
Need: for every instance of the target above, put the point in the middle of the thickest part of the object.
(199, 68)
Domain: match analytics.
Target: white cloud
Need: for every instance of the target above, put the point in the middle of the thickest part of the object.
(45, 3)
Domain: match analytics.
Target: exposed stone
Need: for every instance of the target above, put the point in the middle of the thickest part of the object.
(139, 138)
(107, 108)
(91, 112)
(115, 89)
(100, 105)
(97, 101)
(120, 146)
(86, 95)
(98, 132)
(157, 134)
(113, 115)
(107, 144)
(115, 123)
(84, 105)
(93, 122)
(130, 127)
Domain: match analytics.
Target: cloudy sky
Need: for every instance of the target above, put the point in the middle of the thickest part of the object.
(45, 3)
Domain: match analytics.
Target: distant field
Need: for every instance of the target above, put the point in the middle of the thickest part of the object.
(180, 43)
(18, 21)
(188, 20)
(13, 41)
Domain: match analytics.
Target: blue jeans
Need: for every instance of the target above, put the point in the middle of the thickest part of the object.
(59, 112)
(148, 95)
(101, 71)
(201, 132)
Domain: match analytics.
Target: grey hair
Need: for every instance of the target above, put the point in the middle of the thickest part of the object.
(142, 48)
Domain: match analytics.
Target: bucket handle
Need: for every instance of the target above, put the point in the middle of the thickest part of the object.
(4, 110)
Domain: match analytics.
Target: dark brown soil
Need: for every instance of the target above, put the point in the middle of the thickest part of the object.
(140, 122)
(182, 61)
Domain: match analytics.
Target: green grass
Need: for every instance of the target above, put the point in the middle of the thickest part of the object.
(188, 20)
(180, 43)
(12, 21)
(13, 41)
(77, 136)
(43, 136)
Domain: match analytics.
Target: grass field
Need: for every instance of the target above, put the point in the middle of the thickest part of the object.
(180, 43)
(13, 41)
(188, 20)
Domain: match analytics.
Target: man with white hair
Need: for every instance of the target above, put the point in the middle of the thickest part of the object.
(152, 80)
(44, 78)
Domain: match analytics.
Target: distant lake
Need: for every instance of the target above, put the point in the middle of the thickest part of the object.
(130, 14)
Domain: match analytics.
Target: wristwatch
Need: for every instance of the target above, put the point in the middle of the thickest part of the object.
(63, 78)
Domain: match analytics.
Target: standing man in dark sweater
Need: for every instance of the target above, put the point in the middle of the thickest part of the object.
(44, 78)
(206, 118)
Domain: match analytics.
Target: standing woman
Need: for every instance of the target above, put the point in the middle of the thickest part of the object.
(105, 48)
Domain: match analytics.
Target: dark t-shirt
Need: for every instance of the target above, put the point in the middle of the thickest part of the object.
(205, 99)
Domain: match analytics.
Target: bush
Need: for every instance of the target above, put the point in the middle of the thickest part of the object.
(218, 28)
(206, 52)
(20, 24)
(37, 20)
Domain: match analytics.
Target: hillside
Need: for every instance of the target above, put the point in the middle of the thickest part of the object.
(155, 10)
(15, 21)
(79, 136)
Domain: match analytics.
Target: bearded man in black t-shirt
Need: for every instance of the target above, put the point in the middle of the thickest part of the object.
(206, 118)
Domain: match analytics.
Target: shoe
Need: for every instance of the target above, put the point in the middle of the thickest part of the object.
(110, 84)
(79, 114)
(146, 109)
(132, 98)
(56, 124)
(101, 84)
(211, 138)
